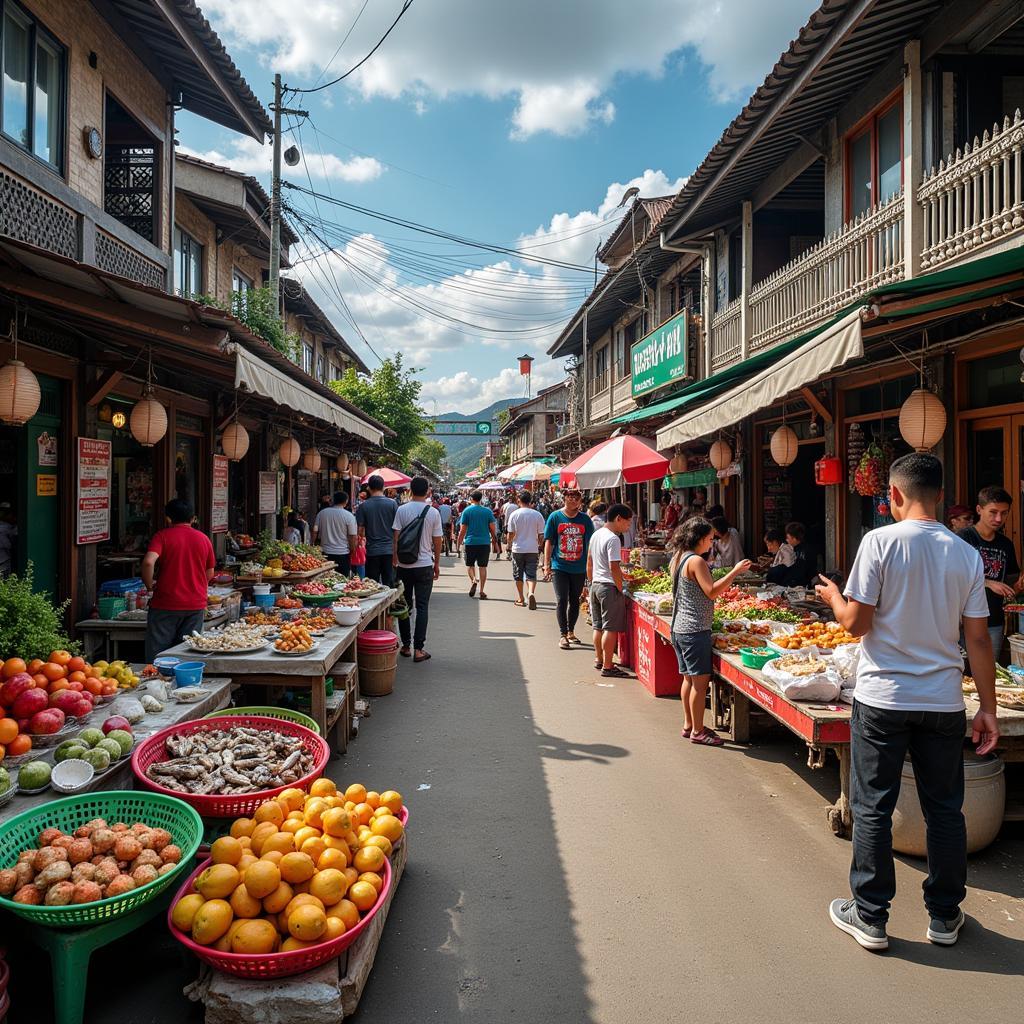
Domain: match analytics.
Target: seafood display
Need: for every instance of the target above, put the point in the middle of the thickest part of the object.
(239, 636)
(235, 760)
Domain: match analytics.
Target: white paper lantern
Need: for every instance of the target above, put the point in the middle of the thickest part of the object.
(19, 393)
(720, 455)
(312, 460)
(148, 421)
(677, 464)
(922, 420)
(359, 469)
(235, 441)
(341, 463)
(784, 446)
(289, 452)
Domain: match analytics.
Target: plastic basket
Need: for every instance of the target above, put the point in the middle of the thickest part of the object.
(275, 965)
(319, 600)
(22, 832)
(757, 657)
(233, 805)
(285, 714)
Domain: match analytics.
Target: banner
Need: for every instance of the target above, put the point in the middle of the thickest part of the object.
(93, 520)
(268, 493)
(219, 493)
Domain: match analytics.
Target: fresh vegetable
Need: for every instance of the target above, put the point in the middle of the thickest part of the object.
(34, 775)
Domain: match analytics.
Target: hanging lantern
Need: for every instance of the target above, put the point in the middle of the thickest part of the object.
(289, 452)
(783, 446)
(359, 469)
(235, 441)
(720, 455)
(677, 464)
(148, 421)
(341, 463)
(922, 420)
(312, 460)
(524, 365)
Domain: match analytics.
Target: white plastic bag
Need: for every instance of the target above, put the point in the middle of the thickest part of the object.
(846, 657)
(820, 686)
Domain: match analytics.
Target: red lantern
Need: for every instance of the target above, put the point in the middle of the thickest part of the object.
(828, 470)
(524, 365)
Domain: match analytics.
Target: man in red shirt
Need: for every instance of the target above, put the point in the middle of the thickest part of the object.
(186, 564)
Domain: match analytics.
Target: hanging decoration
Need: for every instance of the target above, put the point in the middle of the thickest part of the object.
(19, 386)
(289, 452)
(312, 460)
(359, 469)
(148, 422)
(677, 464)
(922, 420)
(872, 474)
(341, 463)
(235, 441)
(856, 446)
(720, 455)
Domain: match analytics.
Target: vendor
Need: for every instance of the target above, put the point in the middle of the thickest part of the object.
(780, 551)
(728, 548)
(803, 570)
(670, 517)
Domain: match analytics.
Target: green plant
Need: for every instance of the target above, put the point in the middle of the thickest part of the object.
(30, 625)
(255, 308)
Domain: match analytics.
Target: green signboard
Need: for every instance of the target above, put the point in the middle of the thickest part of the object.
(439, 428)
(660, 359)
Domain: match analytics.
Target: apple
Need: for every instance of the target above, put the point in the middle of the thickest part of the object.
(116, 722)
(82, 708)
(28, 702)
(14, 686)
(67, 701)
(46, 722)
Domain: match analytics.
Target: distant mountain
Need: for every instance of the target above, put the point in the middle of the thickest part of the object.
(465, 451)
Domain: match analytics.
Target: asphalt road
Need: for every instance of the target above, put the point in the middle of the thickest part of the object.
(573, 860)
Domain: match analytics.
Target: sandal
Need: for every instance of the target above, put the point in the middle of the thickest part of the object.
(472, 589)
(564, 644)
(615, 673)
(421, 656)
(519, 604)
(707, 738)
(685, 733)
(405, 652)
(598, 664)
(533, 603)
(573, 639)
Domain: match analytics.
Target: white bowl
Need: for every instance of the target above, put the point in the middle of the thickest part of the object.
(345, 616)
(71, 775)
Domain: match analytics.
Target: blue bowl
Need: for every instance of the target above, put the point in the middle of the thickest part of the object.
(188, 673)
(165, 665)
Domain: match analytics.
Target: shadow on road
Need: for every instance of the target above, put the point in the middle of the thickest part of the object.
(566, 750)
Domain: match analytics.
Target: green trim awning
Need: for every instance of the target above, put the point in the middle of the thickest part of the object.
(976, 271)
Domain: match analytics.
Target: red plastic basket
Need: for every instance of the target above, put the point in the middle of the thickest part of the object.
(234, 805)
(275, 965)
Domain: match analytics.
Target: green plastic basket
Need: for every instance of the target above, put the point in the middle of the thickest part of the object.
(285, 714)
(22, 832)
(757, 657)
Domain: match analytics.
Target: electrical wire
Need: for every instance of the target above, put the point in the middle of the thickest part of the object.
(326, 67)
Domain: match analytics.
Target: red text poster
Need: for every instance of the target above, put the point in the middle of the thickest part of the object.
(93, 491)
(219, 512)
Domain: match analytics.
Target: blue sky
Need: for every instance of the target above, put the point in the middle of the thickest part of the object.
(519, 125)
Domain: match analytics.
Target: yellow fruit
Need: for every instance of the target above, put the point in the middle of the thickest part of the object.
(392, 799)
(351, 875)
(254, 937)
(293, 797)
(363, 895)
(347, 911)
(353, 841)
(296, 815)
(328, 886)
(293, 825)
(373, 878)
(269, 810)
(363, 834)
(369, 858)
(356, 793)
(290, 945)
(278, 899)
(349, 805)
(314, 846)
(304, 833)
(380, 841)
(260, 835)
(362, 813)
(388, 826)
(373, 798)
(284, 842)
(217, 882)
(304, 899)
(323, 787)
(297, 867)
(313, 810)
(334, 843)
(243, 904)
(185, 910)
(212, 920)
(245, 842)
(336, 821)
(242, 827)
(301, 886)
(274, 856)
(307, 923)
(380, 812)
(334, 930)
(226, 850)
(247, 859)
(262, 878)
(332, 859)
(335, 801)
(223, 944)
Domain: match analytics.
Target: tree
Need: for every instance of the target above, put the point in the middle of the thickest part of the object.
(390, 395)
(431, 453)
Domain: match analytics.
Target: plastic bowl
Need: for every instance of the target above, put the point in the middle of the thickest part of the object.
(71, 775)
(165, 665)
(347, 616)
(188, 673)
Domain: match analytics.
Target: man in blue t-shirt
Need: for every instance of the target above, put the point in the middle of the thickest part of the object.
(477, 527)
(566, 540)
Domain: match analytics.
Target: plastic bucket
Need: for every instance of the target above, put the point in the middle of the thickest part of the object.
(188, 673)
(259, 589)
(263, 600)
(378, 662)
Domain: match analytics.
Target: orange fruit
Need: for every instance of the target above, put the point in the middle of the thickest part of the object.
(328, 886)
(369, 858)
(363, 895)
(351, 875)
(290, 945)
(284, 842)
(297, 867)
(336, 821)
(389, 826)
(211, 921)
(53, 671)
(274, 856)
(242, 827)
(323, 787)
(373, 878)
(332, 859)
(226, 850)
(380, 841)
(262, 878)
(353, 841)
(77, 664)
(307, 923)
(380, 812)
(313, 810)
(12, 666)
(362, 814)
(334, 930)
(356, 793)
(336, 843)
(60, 657)
(373, 798)
(304, 833)
(334, 801)
(34, 666)
(347, 911)
(185, 910)
(303, 899)
(21, 744)
(246, 843)
(269, 810)
(8, 729)
(293, 825)
(278, 899)
(314, 846)
(217, 882)
(292, 797)
(263, 831)
(247, 858)
(243, 904)
(254, 937)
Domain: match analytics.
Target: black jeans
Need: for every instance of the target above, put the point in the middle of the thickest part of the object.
(344, 562)
(418, 584)
(381, 568)
(165, 629)
(879, 741)
(568, 587)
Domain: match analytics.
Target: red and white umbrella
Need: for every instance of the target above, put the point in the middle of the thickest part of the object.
(626, 459)
(391, 477)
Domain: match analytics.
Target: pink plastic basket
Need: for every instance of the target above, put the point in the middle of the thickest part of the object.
(275, 965)
(235, 805)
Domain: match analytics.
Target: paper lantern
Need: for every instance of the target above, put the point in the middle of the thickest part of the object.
(149, 419)
(289, 452)
(235, 441)
(720, 455)
(341, 462)
(19, 393)
(783, 446)
(677, 464)
(922, 420)
(359, 469)
(312, 460)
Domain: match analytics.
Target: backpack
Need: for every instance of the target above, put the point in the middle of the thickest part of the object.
(409, 538)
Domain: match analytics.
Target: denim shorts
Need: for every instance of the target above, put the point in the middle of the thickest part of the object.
(693, 652)
(524, 565)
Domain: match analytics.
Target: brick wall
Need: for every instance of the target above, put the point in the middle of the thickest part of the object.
(230, 256)
(195, 223)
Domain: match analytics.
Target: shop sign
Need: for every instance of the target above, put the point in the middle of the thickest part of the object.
(733, 469)
(660, 359)
(46, 485)
(46, 445)
(268, 493)
(695, 478)
(219, 512)
(93, 521)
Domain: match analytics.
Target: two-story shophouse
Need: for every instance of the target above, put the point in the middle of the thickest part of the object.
(532, 425)
(127, 387)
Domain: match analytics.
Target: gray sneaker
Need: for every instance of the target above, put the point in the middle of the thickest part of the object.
(846, 918)
(946, 932)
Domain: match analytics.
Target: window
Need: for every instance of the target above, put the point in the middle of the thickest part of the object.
(874, 160)
(337, 371)
(31, 85)
(131, 161)
(188, 264)
(307, 359)
(320, 375)
(601, 362)
(240, 285)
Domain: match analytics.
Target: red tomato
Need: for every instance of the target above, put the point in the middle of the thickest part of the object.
(60, 657)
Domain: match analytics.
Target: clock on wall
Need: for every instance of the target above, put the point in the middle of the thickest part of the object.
(93, 142)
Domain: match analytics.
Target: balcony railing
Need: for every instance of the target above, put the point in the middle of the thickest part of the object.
(727, 335)
(599, 383)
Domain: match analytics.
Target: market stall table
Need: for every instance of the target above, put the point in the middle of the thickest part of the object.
(109, 632)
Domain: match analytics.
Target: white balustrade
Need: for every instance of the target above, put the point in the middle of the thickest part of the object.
(726, 335)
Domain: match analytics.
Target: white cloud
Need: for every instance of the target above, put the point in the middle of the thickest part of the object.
(465, 392)
(555, 60)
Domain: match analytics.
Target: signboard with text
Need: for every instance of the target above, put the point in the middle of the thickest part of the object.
(660, 358)
(219, 494)
(93, 506)
(268, 493)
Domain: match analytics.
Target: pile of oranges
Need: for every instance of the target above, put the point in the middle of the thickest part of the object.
(302, 870)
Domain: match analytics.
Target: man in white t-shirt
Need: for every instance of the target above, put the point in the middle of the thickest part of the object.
(524, 529)
(607, 602)
(336, 531)
(417, 573)
(911, 586)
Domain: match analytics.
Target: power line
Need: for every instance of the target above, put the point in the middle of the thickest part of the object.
(324, 69)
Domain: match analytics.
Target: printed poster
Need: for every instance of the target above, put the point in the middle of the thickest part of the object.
(219, 512)
(268, 493)
(47, 449)
(93, 518)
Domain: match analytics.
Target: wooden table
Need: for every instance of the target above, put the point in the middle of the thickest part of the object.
(112, 631)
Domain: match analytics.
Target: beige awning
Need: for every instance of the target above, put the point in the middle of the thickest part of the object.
(254, 375)
(834, 346)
